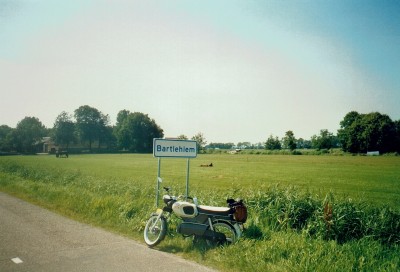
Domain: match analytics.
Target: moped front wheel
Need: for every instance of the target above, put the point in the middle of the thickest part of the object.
(155, 230)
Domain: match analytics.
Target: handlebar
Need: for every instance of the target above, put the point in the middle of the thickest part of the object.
(194, 199)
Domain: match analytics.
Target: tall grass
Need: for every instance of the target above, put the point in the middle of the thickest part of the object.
(330, 219)
(290, 227)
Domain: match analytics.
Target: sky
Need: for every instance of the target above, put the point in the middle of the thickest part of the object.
(236, 71)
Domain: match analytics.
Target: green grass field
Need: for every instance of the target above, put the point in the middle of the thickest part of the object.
(117, 192)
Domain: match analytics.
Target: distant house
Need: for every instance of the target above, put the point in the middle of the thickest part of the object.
(47, 145)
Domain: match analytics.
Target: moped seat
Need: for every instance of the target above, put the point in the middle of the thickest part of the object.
(223, 211)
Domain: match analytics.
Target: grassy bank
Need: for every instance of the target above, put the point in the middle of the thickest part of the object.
(307, 213)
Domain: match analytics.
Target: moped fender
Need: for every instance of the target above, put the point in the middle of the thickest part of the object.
(158, 211)
(238, 230)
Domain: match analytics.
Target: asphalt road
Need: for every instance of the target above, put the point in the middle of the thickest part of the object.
(35, 239)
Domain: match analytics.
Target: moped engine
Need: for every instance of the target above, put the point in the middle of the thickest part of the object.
(200, 230)
(188, 229)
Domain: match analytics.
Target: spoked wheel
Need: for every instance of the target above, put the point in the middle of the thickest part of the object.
(155, 230)
(227, 229)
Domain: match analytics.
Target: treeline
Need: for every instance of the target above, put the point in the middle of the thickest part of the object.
(134, 132)
(325, 140)
(88, 127)
(358, 133)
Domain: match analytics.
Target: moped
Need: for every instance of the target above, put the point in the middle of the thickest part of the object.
(217, 225)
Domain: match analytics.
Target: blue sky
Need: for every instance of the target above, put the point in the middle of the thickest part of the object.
(233, 70)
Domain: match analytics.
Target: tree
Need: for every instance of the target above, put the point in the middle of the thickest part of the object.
(273, 143)
(243, 145)
(64, 129)
(5, 138)
(107, 137)
(182, 137)
(258, 145)
(221, 145)
(397, 140)
(120, 132)
(379, 133)
(90, 124)
(368, 132)
(135, 131)
(289, 141)
(325, 140)
(122, 115)
(29, 131)
(349, 119)
(303, 144)
(201, 141)
(105, 132)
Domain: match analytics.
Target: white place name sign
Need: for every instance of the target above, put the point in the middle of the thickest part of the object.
(174, 148)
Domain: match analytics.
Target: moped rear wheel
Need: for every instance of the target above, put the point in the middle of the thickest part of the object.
(155, 230)
(227, 229)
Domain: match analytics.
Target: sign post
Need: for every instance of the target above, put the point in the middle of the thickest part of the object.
(167, 148)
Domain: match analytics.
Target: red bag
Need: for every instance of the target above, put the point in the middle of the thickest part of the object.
(240, 213)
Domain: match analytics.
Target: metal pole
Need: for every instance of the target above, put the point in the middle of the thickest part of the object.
(187, 178)
(158, 182)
